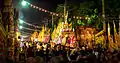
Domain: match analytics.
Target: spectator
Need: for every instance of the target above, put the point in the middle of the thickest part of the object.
(39, 59)
(31, 60)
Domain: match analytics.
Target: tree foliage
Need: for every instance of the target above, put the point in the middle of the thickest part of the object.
(112, 7)
(88, 9)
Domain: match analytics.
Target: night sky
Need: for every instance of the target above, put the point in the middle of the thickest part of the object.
(34, 16)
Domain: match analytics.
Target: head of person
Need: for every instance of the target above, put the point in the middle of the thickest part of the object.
(31, 60)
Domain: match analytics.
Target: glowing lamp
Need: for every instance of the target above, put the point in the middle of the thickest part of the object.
(24, 3)
(21, 21)
(21, 27)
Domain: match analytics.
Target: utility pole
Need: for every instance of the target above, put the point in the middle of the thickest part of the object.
(65, 13)
(104, 22)
(103, 15)
(52, 22)
(52, 27)
(8, 13)
(119, 25)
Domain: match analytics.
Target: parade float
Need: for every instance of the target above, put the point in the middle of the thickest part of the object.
(64, 34)
(44, 35)
(41, 36)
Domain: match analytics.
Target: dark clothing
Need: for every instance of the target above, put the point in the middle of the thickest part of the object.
(57, 53)
(83, 53)
(30, 52)
(40, 53)
(62, 53)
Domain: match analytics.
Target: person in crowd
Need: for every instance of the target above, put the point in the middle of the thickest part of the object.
(31, 60)
(30, 52)
(66, 54)
(39, 59)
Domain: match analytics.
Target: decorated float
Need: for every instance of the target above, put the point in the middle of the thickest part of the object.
(64, 34)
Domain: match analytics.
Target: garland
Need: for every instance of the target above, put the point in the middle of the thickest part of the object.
(52, 13)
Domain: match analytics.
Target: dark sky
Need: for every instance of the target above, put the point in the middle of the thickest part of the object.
(34, 16)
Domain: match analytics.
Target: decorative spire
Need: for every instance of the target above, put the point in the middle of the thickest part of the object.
(66, 16)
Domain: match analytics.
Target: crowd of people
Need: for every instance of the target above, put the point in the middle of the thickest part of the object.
(60, 53)
(65, 54)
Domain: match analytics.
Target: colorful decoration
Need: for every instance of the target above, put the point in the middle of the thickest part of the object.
(57, 33)
(42, 36)
(64, 34)
(100, 40)
(18, 35)
(85, 35)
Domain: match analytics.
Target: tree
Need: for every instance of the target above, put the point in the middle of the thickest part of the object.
(86, 9)
(112, 7)
(112, 10)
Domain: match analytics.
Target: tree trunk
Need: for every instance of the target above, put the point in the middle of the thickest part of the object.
(119, 25)
(9, 25)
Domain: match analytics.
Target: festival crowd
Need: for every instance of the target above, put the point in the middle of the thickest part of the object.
(65, 54)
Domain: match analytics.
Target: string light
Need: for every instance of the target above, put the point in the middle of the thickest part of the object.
(21, 22)
(32, 25)
(52, 13)
(25, 33)
(31, 29)
(21, 27)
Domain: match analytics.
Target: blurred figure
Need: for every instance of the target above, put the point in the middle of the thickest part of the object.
(56, 59)
(39, 59)
(30, 52)
(2, 59)
(31, 60)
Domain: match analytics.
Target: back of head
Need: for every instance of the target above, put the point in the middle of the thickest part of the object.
(39, 59)
(55, 60)
(31, 60)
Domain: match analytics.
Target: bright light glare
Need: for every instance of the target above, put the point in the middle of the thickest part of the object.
(24, 3)
(21, 27)
(36, 39)
(22, 39)
(88, 18)
(21, 21)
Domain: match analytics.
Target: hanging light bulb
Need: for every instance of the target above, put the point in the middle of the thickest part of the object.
(56, 14)
(24, 3)
(21, 21)
(73, 16)
(39, 8)
(21, 27)
(80, 17)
